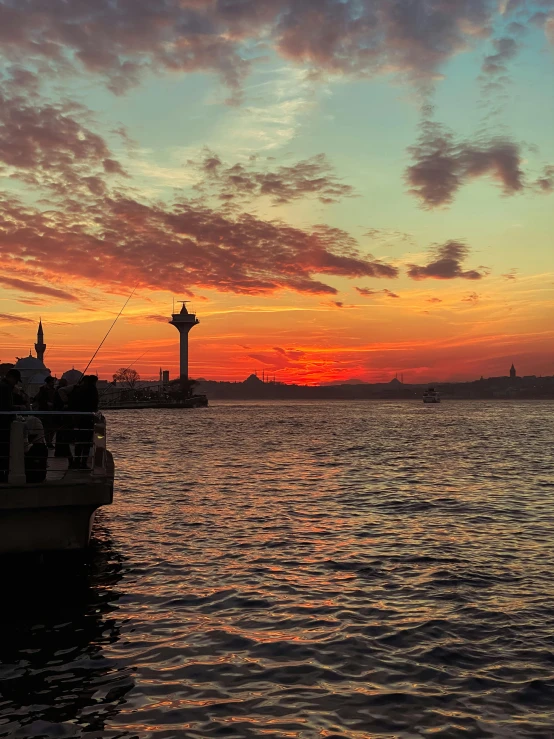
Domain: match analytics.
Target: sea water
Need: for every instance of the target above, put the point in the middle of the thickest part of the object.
(317, 569)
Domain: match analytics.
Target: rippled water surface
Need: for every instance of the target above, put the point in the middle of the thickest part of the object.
(310, 570)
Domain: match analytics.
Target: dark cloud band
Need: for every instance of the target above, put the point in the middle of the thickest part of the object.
(120, 40)
(446, 264)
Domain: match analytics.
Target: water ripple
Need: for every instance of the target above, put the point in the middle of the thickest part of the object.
(337, 570)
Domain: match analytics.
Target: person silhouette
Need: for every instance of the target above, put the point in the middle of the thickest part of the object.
(8, 385)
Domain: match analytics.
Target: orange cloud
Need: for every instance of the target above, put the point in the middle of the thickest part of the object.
(33, 287)
(176, 248)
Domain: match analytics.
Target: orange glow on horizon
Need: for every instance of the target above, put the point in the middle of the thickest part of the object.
(424, 336)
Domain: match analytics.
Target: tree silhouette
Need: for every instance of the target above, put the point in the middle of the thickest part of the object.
(127, 377)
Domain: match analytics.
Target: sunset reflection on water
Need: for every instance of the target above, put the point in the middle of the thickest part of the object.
(327, 569)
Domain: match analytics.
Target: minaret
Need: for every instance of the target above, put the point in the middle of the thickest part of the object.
(512, 372)
(40, 346)
(183, 322)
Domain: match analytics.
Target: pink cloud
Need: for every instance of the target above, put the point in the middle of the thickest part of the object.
(110, 238)
(308, 178)
(45, 145)
(117, 241)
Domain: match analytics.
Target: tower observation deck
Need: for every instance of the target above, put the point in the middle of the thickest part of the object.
(183, 322)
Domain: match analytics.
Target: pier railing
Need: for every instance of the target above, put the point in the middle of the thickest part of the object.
(51, 447)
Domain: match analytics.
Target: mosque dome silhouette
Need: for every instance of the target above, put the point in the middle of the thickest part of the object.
(29, 363)
(72, 376)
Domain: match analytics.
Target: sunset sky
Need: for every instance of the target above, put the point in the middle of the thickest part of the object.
(342, 188)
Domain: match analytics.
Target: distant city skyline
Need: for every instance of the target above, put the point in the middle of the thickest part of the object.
(348, 193)
(262, 373)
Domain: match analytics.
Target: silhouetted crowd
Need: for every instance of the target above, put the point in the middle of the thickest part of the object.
(70, 436)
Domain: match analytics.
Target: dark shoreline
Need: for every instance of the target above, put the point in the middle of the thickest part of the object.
(167, 406)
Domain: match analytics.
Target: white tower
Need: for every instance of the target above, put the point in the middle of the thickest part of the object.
(183, 322)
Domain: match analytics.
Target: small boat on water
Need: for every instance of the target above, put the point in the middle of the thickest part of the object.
(431, 396)
(49, 498)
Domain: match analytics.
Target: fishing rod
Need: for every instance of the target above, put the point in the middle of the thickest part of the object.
(136, 360)
(108, 333)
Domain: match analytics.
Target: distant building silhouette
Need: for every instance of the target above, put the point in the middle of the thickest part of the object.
(513, 373)
(487, 388)
(33, 370)
(253, 381)
(72, 376)
(40, 346)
